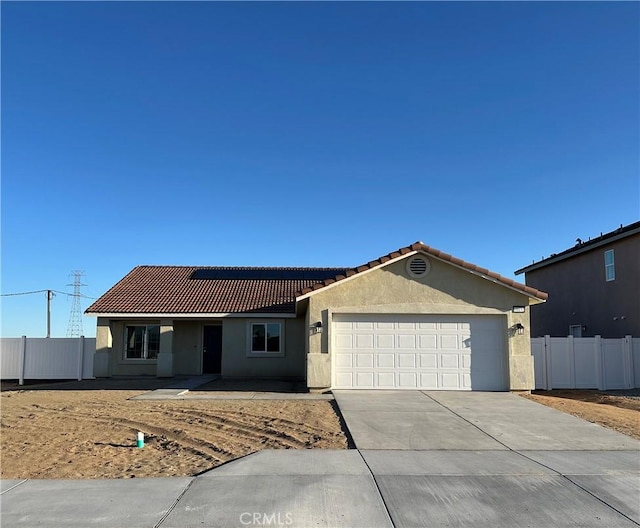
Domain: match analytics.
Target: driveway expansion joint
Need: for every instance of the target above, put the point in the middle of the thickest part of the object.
(175, 503)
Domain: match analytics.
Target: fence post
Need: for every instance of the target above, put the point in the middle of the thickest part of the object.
(547, 360)
(599, 362)
(627, 352)
(571, 351)
(80, 356)
(23, 353)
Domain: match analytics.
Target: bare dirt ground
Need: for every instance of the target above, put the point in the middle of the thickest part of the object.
(618, 411)
(79, 434)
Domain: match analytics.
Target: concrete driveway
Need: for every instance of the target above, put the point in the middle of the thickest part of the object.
(423, 459)
(491, 459)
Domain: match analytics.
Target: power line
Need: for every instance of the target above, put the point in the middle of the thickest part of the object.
(43, 291)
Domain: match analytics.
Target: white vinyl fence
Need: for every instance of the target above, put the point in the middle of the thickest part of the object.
(586, 362)
(46, 358)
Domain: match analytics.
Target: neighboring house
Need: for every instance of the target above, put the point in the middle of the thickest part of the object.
(594, 287)
(416, 318)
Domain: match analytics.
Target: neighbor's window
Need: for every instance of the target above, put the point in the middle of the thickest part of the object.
(142, 342)
(575, 330)
(265, 337)
(609, 265)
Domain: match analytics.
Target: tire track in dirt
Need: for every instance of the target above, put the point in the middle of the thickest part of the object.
(232, 422)
(197, 446)
(283, 421)
(230, 426)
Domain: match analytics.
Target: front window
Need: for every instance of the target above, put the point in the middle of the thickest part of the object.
(266, 338)
(142, 342)
(609, 265)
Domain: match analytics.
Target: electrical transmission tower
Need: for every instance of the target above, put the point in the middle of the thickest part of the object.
(74, 328)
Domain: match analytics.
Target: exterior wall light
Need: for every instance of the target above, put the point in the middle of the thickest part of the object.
(316, 328)
(519, 328)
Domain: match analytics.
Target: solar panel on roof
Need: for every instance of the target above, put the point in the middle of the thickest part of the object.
(265, 274)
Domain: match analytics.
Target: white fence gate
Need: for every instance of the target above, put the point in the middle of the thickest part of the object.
(586, 362)
(46, 358)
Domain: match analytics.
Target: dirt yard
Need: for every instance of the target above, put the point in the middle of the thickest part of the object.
(75, 434)
(615, 411)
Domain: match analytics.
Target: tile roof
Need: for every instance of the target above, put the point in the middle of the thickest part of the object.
(178, 290)
(172, 290)
(420, 246)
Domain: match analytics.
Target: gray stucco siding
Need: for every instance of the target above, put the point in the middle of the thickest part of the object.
(238, 362)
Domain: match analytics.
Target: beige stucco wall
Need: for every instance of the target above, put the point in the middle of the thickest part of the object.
(445, 290)
(110, 342)
(235, 345)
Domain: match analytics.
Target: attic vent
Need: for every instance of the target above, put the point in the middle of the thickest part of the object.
(418, 267)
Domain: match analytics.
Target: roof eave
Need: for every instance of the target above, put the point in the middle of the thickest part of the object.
(573, 252)
(536, 295)
(190, 315)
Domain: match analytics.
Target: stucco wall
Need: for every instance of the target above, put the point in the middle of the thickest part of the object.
(127, 367)
(445, 290)
(235, 345)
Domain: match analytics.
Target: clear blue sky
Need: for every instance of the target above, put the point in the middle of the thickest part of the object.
(306, 134)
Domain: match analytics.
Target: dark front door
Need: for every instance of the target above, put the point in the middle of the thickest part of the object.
(212, 350)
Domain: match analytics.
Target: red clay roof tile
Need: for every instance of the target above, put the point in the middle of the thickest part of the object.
(172, 289)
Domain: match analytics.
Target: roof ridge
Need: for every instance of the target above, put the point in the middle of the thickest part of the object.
(421, 246)
(185, 266)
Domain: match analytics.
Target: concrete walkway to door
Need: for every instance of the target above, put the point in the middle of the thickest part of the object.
(491, 459)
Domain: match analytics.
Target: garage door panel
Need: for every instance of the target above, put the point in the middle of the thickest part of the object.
(344, 360)
(386, 380)
(344, 379)
(428, 361)
(344, 341)
(406, 341)
(364, 380)
(364, 360)
(429, 380)
(385, 341)
(386, 360)
(449, 361)
(407, 361)
(364, 341)
(407, 380)
(428, 342)
(449, 341)
(450, 380)
(462, 352)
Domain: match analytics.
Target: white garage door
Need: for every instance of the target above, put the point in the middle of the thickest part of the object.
(418, 352)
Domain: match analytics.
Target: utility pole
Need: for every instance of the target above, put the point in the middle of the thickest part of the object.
(74, 329)
(50, 295)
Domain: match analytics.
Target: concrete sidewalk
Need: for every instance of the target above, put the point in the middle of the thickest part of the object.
(367, 489)
(423, 459)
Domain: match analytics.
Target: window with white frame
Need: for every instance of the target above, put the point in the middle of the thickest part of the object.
(266, 338)
(609, 265)
(141, 341)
